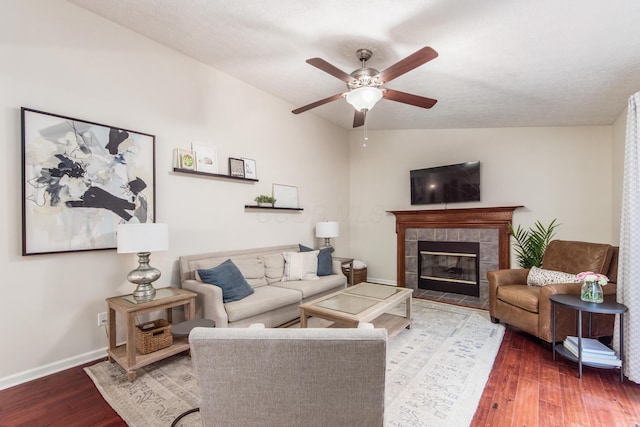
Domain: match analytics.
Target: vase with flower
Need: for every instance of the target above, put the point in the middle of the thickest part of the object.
(592, 284)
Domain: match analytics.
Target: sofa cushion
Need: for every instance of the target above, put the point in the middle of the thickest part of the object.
(273, 267)
(541, 277)
(325, 261)
(228, 277)
(252, 270)
(264, 299)
(525, 297)
(300, 266)
(310, 289)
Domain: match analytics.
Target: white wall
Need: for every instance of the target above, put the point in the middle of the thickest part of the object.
(62, 59)
(562, 172)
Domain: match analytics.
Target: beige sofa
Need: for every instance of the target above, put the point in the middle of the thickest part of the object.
(273, 301)
(312, 377)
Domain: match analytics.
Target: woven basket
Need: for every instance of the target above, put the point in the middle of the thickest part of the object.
(359, 275)
(153, 336)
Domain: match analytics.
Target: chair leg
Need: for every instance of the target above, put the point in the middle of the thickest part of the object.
(494, 319)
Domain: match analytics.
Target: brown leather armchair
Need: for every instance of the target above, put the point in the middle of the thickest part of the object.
(529, 308)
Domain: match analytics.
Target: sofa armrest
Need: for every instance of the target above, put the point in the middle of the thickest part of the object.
(337, 267)
(209, 301)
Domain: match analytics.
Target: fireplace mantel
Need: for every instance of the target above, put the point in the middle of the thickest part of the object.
(491, 217)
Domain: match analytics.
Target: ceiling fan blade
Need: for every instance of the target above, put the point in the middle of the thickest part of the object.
(407, 64)
(407, 98)
(317, 104)
(328, 68)
(358, 119)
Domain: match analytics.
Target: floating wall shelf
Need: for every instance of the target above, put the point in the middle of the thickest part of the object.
(271, 208)
(213, 175)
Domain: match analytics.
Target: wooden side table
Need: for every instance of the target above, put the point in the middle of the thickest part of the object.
(574, 302)
(349, 262)
(126, 355)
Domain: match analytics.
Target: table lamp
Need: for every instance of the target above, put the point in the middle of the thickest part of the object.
(143, 239)
(327, 230)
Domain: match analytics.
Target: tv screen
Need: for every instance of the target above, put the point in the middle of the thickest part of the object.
(446, 184)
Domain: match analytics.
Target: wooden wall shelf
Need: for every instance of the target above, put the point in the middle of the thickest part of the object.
(271, 208)
(213, 175)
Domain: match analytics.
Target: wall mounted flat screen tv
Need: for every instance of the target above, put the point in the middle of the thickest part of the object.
(446, 184)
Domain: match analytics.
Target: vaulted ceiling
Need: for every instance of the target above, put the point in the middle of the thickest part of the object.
(501, 63)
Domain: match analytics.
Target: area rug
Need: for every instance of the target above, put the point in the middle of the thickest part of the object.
(436, 372)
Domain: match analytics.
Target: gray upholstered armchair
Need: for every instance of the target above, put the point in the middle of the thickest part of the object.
(290, 377)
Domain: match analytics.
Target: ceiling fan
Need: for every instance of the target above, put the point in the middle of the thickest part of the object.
(365, 84)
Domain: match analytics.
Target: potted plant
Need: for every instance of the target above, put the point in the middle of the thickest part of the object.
(531, 244)
(265, 201)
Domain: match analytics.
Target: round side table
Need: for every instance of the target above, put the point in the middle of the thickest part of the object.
(183, 329)
(574, 302)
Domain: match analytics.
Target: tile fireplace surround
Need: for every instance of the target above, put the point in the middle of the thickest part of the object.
(487, 226)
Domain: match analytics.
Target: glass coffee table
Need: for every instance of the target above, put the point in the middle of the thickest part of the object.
(366, 302)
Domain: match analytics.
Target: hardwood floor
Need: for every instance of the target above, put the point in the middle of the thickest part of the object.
(525, 388)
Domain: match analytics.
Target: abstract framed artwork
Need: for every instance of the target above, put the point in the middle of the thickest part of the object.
(80, 180)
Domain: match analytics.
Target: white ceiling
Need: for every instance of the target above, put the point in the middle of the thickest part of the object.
(501, 63)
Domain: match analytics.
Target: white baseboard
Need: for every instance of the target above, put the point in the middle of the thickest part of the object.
(381, 281)
(52, 368)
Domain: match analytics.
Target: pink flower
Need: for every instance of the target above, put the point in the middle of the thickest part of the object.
(590, 276)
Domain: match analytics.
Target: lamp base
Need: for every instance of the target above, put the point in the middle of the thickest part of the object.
(144, 276)
(327, 244)
(144, 292)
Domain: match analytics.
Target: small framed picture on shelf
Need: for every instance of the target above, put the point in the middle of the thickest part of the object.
(236, 167)
(250, 168)
(286, 196)
(206, 156)
(186, 159)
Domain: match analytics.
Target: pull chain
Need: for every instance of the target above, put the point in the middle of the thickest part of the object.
(366, 138)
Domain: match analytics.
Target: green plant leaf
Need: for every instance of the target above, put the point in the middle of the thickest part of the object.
(530, 244)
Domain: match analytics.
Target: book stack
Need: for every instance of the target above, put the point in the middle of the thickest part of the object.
(593, 352)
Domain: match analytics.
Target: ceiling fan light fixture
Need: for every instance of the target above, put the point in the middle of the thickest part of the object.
(364, 98)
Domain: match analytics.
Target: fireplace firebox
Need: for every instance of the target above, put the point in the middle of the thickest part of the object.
(449, 267)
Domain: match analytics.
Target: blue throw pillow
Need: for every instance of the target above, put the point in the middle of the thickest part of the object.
(325, 262)
(228, 277)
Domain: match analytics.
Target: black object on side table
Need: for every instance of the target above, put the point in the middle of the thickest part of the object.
(183, 329)
(574, 302)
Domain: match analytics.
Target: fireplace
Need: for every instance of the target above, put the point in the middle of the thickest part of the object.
(487, 227)
(452, 267)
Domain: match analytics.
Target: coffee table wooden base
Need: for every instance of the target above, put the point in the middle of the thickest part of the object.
(376, 314)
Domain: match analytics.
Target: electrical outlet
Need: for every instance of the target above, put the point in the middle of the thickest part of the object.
(102, 319)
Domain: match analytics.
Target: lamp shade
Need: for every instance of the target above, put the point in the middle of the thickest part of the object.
(327, 229)
(146, 237)
(364, 98)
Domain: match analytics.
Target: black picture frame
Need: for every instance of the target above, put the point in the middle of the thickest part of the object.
(80, 179)
(236, 167)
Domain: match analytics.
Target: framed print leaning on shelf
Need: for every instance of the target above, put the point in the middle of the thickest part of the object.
(81, 179)
(186, 159)
(286, 196)
(206, 156)
(236, 167)
(250, 168)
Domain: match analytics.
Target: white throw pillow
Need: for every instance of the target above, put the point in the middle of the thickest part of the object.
(541, 277)
(300, 266)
